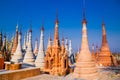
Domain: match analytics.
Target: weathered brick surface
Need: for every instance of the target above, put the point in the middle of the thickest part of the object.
(19, 74)
(1, 63)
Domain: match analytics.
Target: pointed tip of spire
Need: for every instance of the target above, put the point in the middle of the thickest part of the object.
(1, 32)
(42, 28)
(20, 29)
(57, 21)
(93, 46)
(84, 17)
(96, 45)
(103, 23)
(17, 27)
(62, 38)
(30, 30)
(66, 40)
(50, 39)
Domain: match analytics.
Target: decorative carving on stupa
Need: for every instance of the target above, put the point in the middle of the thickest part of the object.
(29, 57)
(85, 66)
(39, 62)
(105, 56)
(56, 59)
(18, 55)
(36, 47)
(15, 43)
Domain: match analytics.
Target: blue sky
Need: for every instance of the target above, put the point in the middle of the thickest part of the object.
(70, 18)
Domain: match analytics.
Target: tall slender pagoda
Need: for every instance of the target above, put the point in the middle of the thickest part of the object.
(36, 47)
(15, 43)
(29, 57)
(105, 56)
(85, 66)
(18, 55)
(39, 62)
(24, 44)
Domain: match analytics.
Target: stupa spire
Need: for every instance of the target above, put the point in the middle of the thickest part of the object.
(39, 62)
(18, 55)
(29, 56)
(66, 45)
(83, 69)
(104, 39)
(15, 43)
(105, 56)
(17, 27)
(49, 42)
(24, 45)
(56, 34)
(36, 47)
(84, 13)
(63, 46)
(70, 48)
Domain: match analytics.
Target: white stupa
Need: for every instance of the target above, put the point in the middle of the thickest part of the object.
(71, 55)
(36, 47)
(29, 57)
(66, 45)
(18, 55)
(24, 44)
(39, 62)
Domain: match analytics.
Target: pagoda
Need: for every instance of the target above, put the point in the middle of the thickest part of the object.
(39, 62)
(36, 47)
(85, 66)
(29, 57)
(105, 56)
(15, 43)
(71, 55)
(24, 44)
(18, 55)
(56, 59)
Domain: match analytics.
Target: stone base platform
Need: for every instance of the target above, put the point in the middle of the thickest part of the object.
(19, 74)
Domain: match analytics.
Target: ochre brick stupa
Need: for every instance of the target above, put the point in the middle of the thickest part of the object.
(85, 66)
(56, 59)
(105, 57)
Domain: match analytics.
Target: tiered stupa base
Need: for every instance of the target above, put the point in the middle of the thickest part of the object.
(29, 61)
(39, 62)
(16, 59)
(86, 70)
(104, 61)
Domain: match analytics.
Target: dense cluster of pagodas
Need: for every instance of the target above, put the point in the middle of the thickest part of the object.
(58, 59)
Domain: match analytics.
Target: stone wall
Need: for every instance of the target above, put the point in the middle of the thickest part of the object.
(19, 74)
